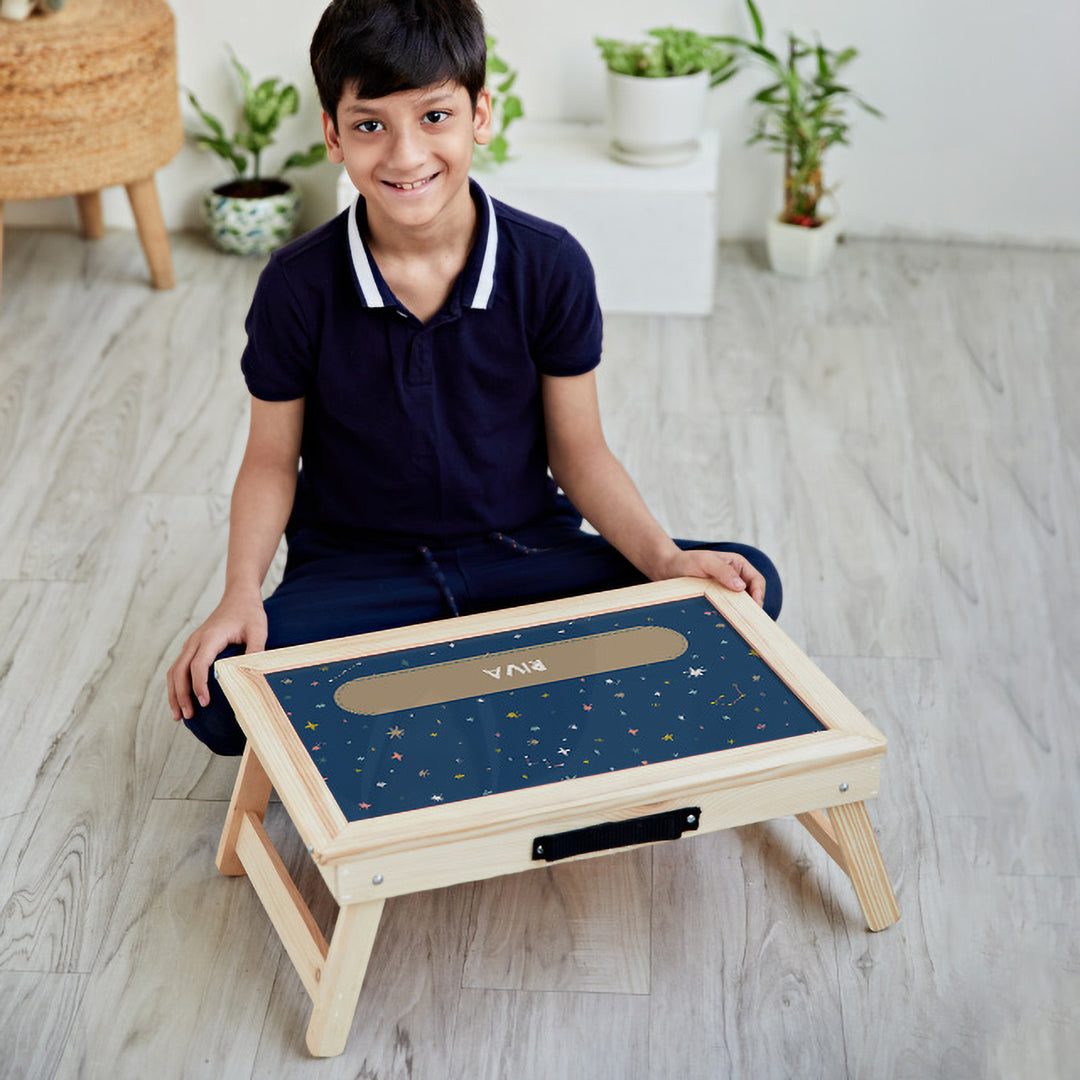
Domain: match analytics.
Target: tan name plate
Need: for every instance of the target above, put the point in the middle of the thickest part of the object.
(499, 672)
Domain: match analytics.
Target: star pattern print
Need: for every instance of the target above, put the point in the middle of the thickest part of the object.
(697, 703)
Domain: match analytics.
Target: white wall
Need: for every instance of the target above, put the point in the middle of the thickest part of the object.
(982, 136)
(981, 140)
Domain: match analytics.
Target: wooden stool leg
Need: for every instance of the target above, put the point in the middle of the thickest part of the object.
(91, 216)
(251, 793)
(342, 977)
(142, 194)
(863, 863)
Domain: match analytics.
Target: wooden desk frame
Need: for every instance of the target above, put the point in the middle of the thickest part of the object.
(822, 778)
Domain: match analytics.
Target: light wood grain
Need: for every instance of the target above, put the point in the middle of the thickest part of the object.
(342, 977)
(36, 1011)
(296, 927)
(407, 1011)
(864, 865)
(183, 976)
(142, 194)
(91, 216)
(534, 1036)
(739, 919)
(582, 926)
(251, 794)
(818, 825)
(104, 741)
(919, 387)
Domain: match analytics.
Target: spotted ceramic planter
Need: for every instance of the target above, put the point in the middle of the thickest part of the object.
(251, 226)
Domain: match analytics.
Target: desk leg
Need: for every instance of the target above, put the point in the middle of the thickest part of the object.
(342, 977)
(142, 194)
(91, 216)
(251, 793)
(848, 837)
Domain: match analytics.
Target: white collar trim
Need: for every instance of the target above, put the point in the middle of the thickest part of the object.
(358, 250)
(485, 284)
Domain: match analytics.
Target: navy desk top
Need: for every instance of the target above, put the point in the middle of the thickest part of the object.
(718, 693)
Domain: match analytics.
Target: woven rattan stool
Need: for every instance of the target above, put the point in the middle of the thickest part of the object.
(89, 100)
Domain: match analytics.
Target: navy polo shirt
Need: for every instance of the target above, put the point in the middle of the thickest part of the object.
(423, 432)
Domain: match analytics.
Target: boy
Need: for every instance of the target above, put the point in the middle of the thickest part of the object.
(424, 359)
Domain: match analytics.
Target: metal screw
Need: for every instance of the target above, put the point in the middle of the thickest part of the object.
(377, 879)
(311, 848)
(539, 849)
(690, 819)
(844, 786)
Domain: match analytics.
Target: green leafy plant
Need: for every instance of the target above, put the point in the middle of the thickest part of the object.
(264, 106)
(803, 113)
(671, 53)
(505, 107)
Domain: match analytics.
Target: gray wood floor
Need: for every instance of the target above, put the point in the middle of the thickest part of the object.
(903, 435)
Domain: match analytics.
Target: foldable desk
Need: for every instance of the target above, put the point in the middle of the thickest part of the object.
(462, 749)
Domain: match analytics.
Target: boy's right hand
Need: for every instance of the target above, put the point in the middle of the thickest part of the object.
(235, 621)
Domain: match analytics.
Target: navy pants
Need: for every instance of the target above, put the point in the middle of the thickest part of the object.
(327, 591)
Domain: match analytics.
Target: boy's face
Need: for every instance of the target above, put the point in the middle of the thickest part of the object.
(409, 153)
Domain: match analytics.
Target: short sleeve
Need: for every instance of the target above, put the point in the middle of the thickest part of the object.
(570, 337)
(279, 359)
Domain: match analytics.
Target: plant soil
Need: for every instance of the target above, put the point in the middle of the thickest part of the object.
(263, 188)
(803, 220)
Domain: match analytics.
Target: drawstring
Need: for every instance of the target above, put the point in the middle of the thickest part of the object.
(440, 579)
(514, 545)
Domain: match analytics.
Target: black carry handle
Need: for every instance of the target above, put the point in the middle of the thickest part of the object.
(616, 834)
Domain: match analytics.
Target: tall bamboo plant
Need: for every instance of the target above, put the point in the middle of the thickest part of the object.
(803, 112)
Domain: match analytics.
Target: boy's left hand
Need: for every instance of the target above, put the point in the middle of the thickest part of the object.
(731, 570)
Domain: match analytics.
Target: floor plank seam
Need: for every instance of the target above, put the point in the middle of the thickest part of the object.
(918, 658)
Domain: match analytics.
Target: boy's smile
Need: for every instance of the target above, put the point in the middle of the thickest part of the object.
(417, 185)
(409, 153)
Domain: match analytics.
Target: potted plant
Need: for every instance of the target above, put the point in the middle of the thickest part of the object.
(803, 112)
(20, 9)
(252, 214)
(505, 109)
(656, 93)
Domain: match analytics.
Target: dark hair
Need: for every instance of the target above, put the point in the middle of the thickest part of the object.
(377, 47)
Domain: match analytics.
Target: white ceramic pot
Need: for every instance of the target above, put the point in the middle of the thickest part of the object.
(656, 121)
(251, 226)
(16, 9)
(799, 251)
